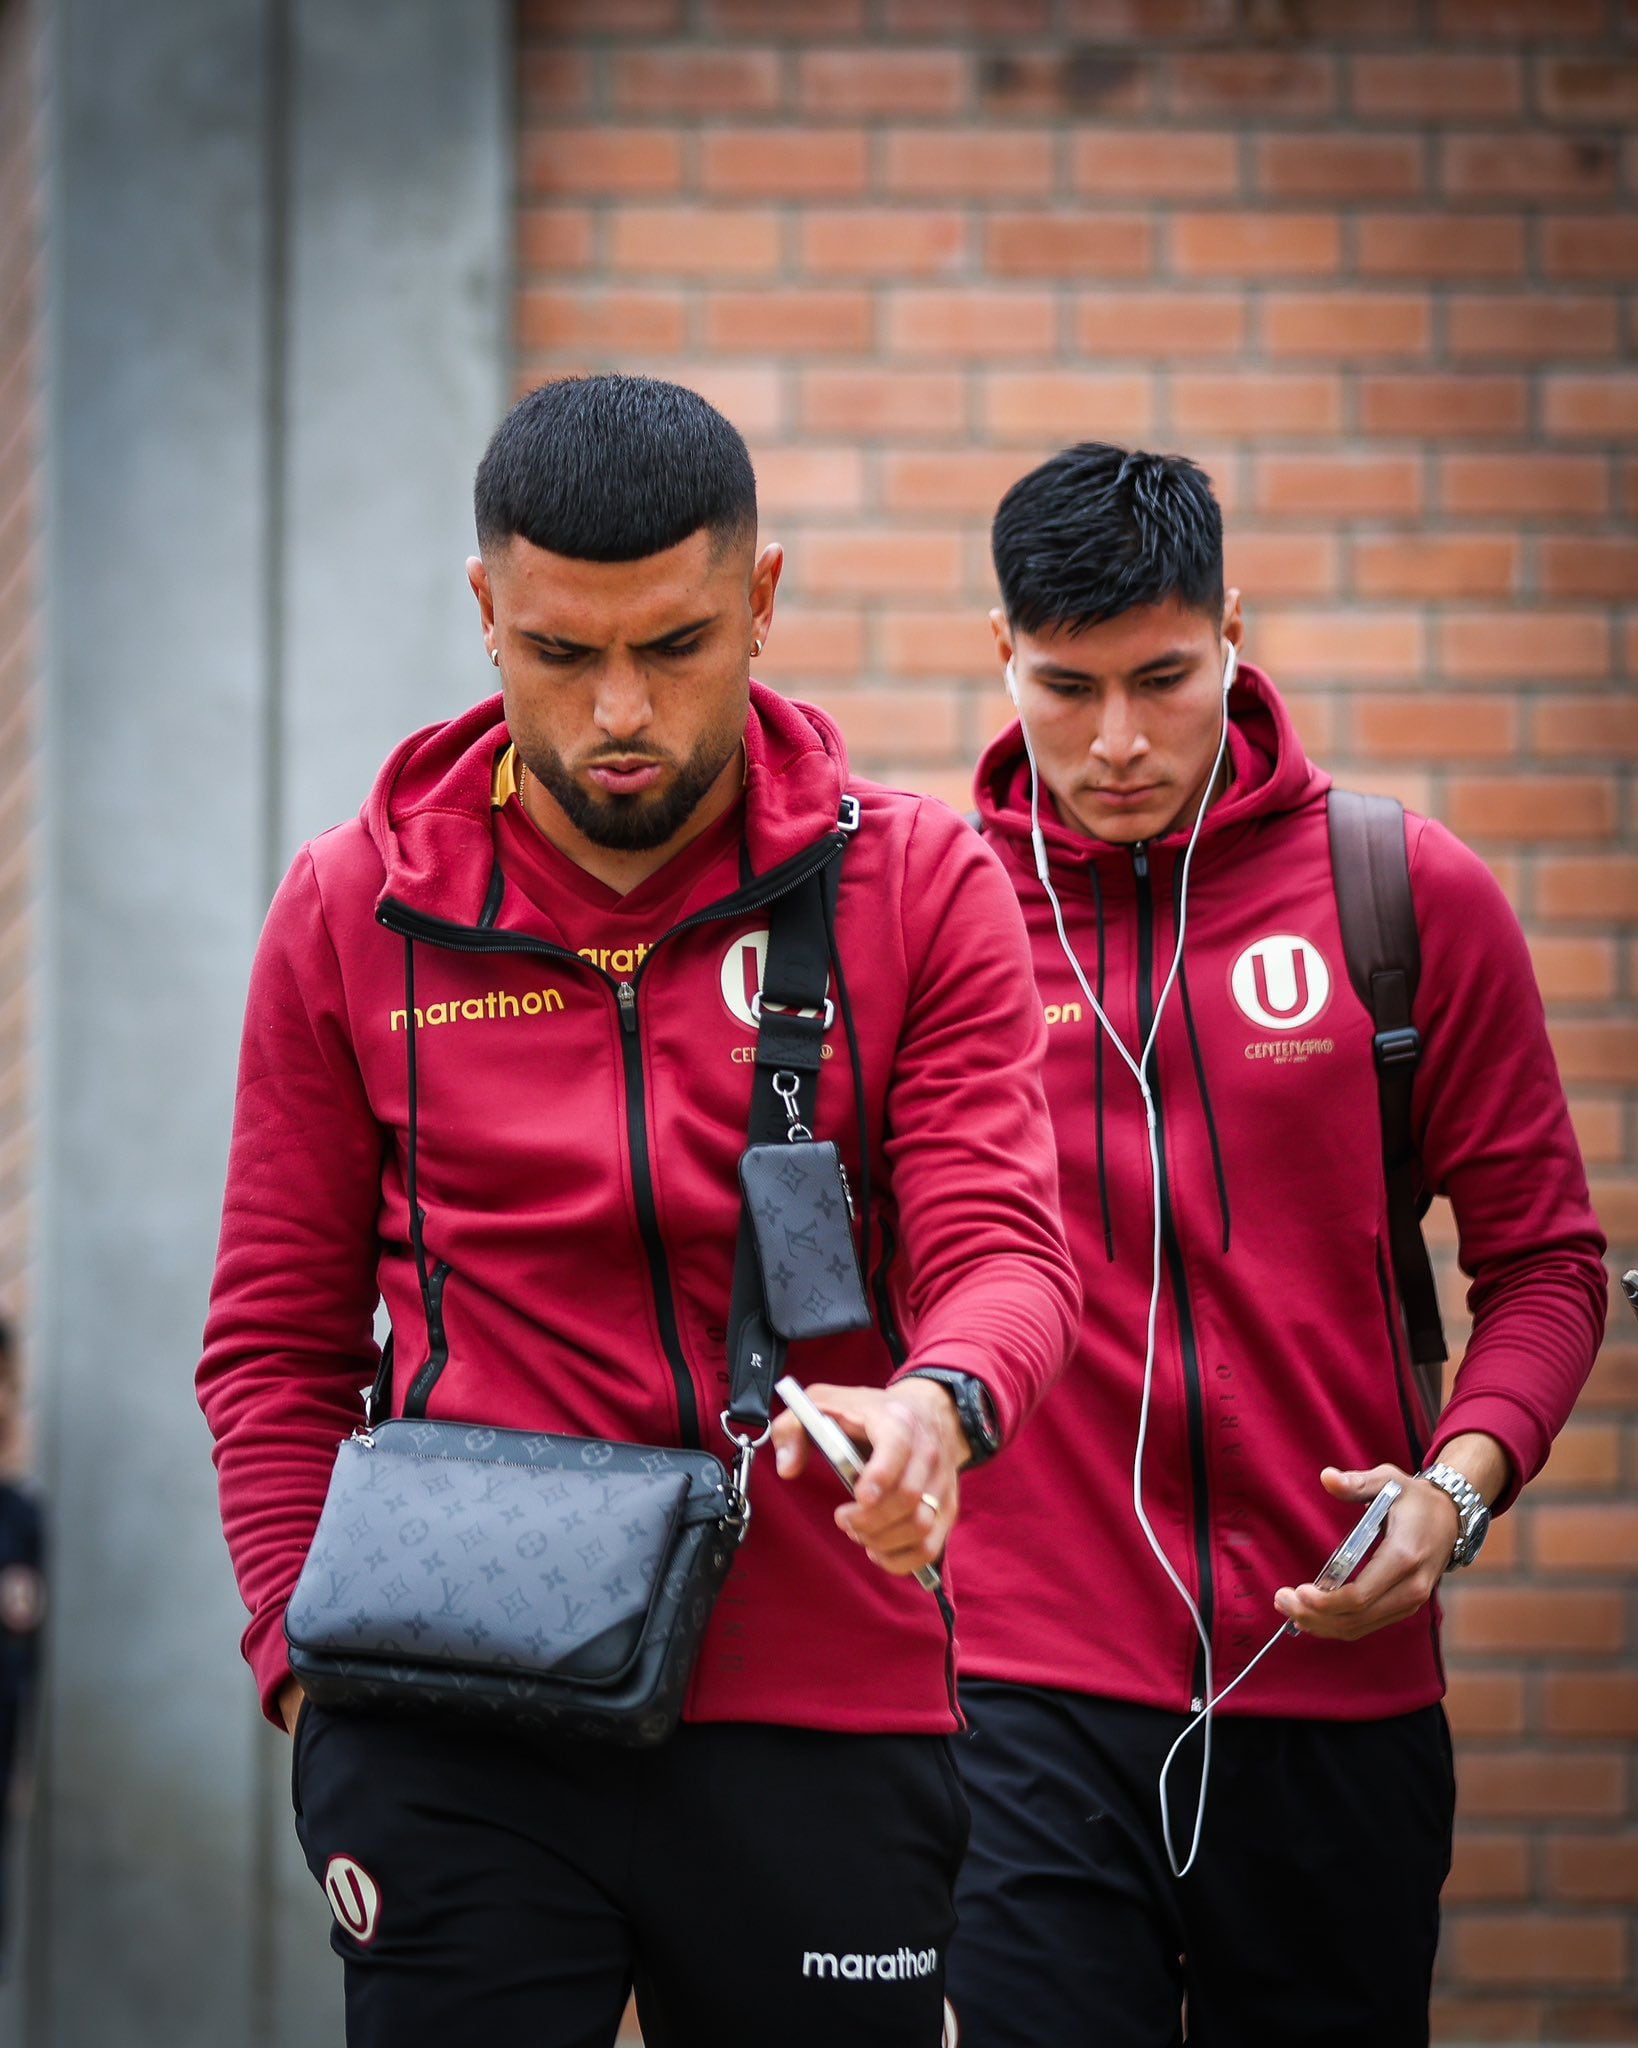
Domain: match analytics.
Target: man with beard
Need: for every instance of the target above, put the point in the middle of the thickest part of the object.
(558, 905)
(1242, 1387)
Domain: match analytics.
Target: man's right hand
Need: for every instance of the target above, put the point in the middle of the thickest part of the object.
(291, 1700)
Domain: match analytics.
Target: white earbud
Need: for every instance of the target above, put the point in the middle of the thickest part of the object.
(1231, 668)
(1012, 684)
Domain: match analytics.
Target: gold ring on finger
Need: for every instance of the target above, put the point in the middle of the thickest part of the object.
(930, 1500)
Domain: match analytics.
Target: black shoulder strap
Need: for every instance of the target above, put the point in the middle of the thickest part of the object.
(793, 1012)
(1370, 871)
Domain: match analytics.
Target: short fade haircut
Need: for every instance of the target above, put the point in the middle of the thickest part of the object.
(610, 469)
(1099, 530)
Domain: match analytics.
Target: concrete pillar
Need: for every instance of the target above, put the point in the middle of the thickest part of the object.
(278, 285)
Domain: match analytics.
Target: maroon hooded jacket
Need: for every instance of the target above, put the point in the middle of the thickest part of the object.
(1279, 1342)
(581, 1112)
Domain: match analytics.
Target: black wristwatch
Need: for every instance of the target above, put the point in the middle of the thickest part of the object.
(973, 1405)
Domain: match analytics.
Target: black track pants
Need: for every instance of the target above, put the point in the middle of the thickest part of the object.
(758, 1885)
(1311, 1915)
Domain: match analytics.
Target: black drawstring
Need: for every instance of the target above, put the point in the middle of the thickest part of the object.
(1097, 1067)
(948, 1612)
(1200, 1077)
(828, 898)
(414, 1200)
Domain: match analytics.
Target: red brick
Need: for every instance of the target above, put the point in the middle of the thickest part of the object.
(809, 480)
(689, 81)
(1459, 2018)
(1346, 167)
(812, 643)
(880, 242)
(1059, 406)
(1361, 20)
(1141, 19)
(1588, 887)
(791, 323)
(1424, 726)
(881, 561)
(968, 482)
(694, 241)
(1429, 87)
(1574, 970)
(972, 164)
(1590, 245)
(1538, 645)
(1603, 728)
(883, 81)
(1253, 81)
(1532, 328)
(1147, 325)
(1485, 1702)
(947, 18)
(1255, 402)
(1346, 325)
(773, 163)
(1531, 167)
(1591, 1703)
(1508, 20)
(899, 405)
(1540, 1948)
(555, 238)
(1436, 565)
(1532, 1621)
(1597, 1868)
(1247, 245)
(594, 318)
(984, 324)
(1274, 565)
(1531, 807)
(599, 17)
(1524, 484)
(1148, 163)
(1585, 1539)
(1078, 83)
(1440, 245)
(956, 644)
(559, 79)
(1586, 1456)
(1489, 1869)
(910, 725)
(1079, 245)
(1598, 1050)
(1350, 486)
(1598, 406)
(593, 160)
(1443, 407)
(809, 18)
(1375, 646)
(1593, 565)
(1602, 88)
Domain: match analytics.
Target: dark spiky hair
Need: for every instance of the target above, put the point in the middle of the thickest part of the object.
(1099, 530)
(610, 469)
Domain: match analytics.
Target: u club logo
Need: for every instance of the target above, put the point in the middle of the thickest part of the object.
(1281, 983)
(743, 966)
(355, 1898)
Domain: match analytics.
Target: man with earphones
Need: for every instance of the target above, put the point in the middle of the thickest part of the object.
(1242, 1388)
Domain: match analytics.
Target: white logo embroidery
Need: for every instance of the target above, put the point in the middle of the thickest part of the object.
(1281, 983)
(742, 967)
(355, 1898)
(892, 1968)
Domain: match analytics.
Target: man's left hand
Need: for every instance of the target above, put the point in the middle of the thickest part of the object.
(1399, 1576)
(916, 1448)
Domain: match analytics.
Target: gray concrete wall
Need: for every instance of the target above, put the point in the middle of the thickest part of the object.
(280, 237)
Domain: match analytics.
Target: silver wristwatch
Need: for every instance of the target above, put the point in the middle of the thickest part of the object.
(1473, 1517)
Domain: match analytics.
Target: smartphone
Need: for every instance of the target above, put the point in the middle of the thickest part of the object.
(1349, 1554)
(841, 1453)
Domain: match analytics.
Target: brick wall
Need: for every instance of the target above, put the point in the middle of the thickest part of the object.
(1372, 262)
(21, 419)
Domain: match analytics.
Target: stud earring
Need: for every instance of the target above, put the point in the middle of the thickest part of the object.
(756, 648)
(494, 656)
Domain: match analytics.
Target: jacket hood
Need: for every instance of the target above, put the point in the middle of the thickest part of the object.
(430, 820)
(1272, 774)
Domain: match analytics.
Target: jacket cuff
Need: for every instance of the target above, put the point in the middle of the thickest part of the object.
(268, 1656)
(1514, 1427)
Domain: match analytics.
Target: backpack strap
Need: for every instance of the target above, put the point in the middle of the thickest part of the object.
(1370, 871)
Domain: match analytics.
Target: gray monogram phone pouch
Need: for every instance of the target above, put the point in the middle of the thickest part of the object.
(801, 1216)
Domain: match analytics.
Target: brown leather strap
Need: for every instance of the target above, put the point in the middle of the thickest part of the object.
(1371, 874)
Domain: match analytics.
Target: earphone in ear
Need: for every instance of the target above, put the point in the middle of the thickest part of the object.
(1231, 668)
(1012, 684)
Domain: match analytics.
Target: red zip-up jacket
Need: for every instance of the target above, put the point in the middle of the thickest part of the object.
(579, 1131)
(1279, 1345)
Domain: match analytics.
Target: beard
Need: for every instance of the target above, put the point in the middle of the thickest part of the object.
(640, 823)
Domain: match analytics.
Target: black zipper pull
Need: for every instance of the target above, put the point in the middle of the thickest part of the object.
(1140, 859)
(627, 998)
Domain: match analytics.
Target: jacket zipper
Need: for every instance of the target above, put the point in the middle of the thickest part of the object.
(460, 938)
(1194, 1399)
